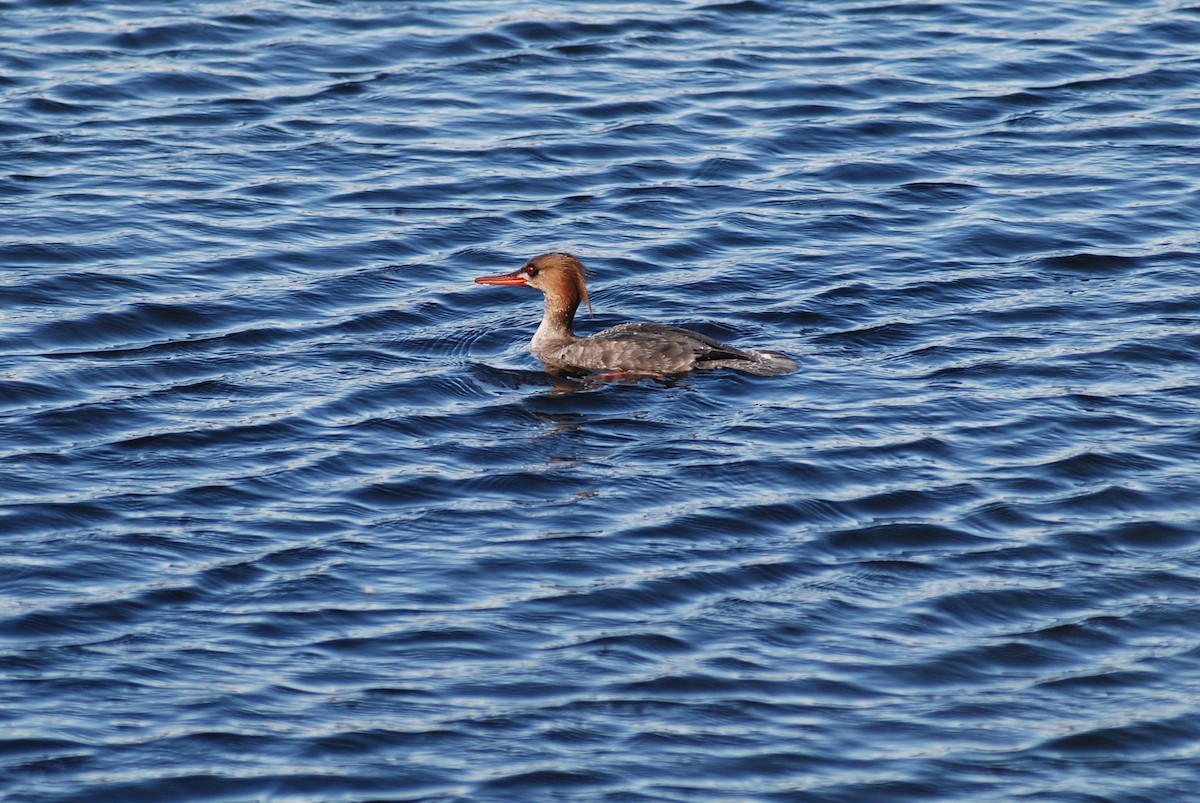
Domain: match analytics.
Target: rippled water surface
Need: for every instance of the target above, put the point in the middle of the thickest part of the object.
(289, 512)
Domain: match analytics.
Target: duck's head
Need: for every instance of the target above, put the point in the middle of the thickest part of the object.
(559, 275)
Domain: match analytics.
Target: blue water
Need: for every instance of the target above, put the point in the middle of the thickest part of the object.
(289, 512)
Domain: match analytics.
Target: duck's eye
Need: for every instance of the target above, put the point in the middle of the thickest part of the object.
(530, 271)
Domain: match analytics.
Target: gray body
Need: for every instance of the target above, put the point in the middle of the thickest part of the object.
(650, 348)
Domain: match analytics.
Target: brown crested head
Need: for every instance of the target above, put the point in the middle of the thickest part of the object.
(558, 273)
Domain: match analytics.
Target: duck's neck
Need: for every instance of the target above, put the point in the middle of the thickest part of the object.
(556, 321)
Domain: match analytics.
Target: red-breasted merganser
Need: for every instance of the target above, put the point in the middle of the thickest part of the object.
(636, 348)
